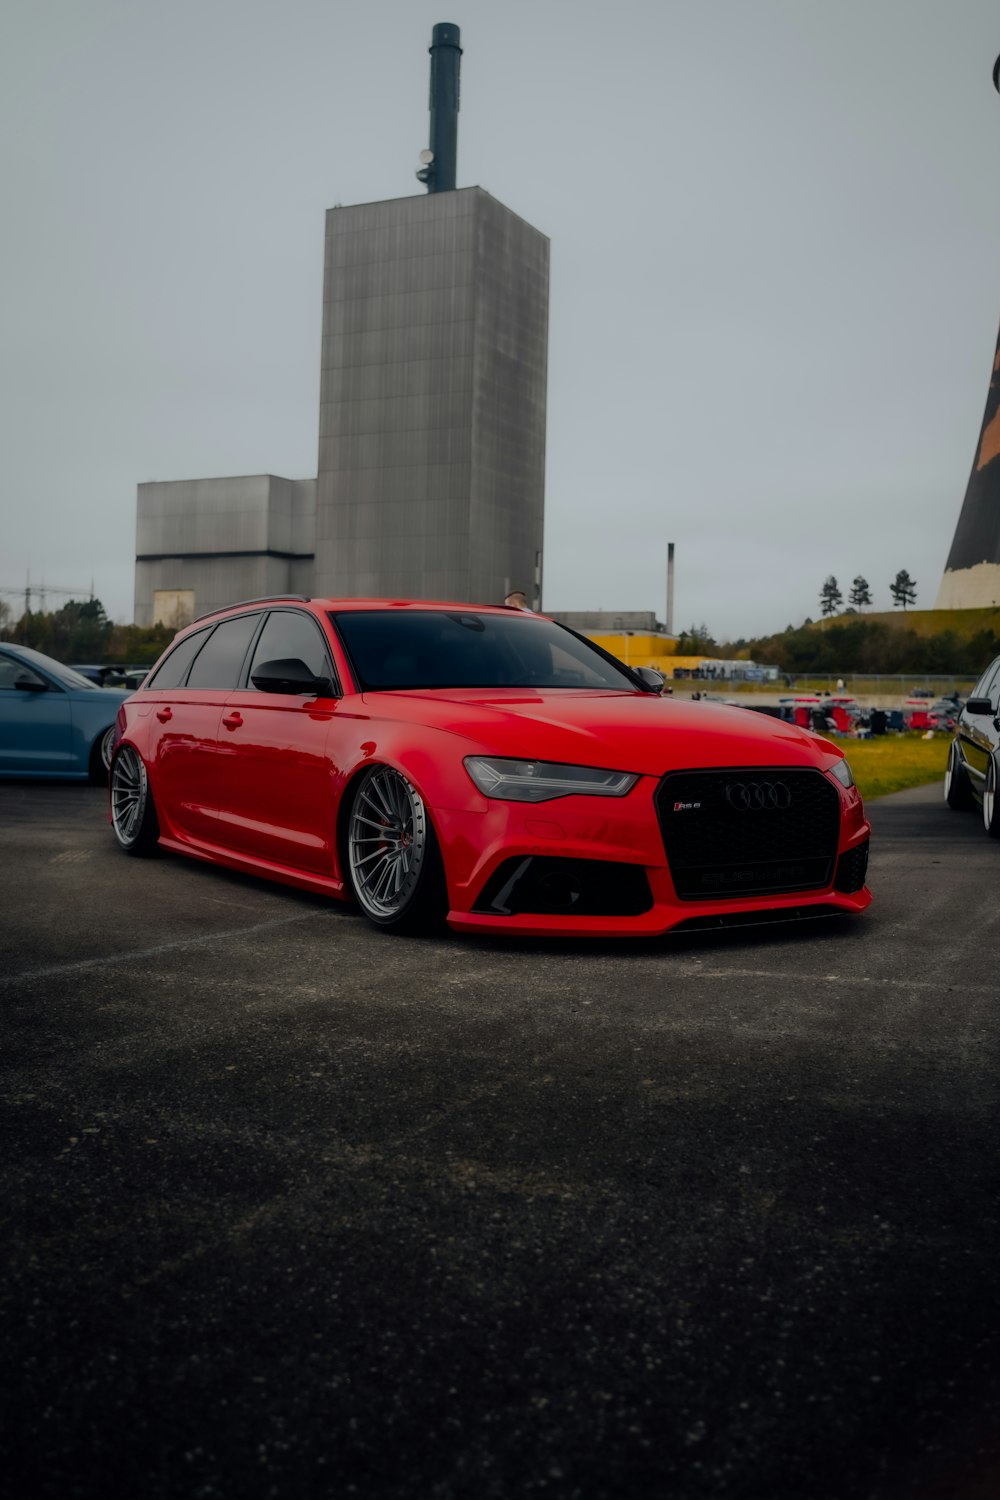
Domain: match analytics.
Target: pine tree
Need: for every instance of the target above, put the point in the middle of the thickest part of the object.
(904, 590)
(860, 594)
(830, 597)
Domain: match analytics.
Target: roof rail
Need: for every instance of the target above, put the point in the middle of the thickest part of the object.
(242, 603)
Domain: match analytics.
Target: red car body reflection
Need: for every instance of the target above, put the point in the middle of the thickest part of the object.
(478, 766)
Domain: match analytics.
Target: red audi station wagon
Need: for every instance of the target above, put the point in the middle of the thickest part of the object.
(480, 766)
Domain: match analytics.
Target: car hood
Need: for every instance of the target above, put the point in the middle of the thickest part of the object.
(619, 731)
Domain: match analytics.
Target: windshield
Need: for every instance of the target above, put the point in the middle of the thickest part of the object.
(410, 648)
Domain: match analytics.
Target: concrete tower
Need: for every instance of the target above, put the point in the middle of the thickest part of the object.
(972, 572)
(432, 400)
(432, 394)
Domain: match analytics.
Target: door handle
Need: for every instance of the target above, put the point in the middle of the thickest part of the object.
(232, 721)
(163, 714)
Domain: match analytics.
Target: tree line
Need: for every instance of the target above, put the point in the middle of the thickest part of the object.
(872, 647)
(81, 632)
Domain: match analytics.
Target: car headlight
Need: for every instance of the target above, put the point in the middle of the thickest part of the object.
(543, 780)
(843, 773)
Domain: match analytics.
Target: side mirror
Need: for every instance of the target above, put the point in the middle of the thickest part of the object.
(651, 679)
(31, 685)
(291, 676)
(979, 706)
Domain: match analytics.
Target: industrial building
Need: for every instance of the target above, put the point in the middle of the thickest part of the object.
(431, 471)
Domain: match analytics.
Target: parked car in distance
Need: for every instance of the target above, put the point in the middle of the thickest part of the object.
(94, 673)
(973, 769)
(480, 766)
(54, 722)
(943, 714)
(928, 713)
(112, 676)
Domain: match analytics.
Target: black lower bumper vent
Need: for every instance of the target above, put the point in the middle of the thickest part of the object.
(852, 870)
(541, 886)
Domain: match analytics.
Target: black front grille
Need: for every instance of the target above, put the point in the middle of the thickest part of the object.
(748, 831)
(852, 869)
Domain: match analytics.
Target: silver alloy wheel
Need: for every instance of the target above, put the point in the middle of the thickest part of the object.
(107, 745)
(386, 842)
(129, 796)
(949, 771)
(990, 797)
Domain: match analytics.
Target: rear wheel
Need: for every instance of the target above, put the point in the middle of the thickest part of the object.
(133, 816)
(991, 802)
(957, 791)
(393, 858)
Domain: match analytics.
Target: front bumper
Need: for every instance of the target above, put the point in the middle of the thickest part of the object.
(484, 850)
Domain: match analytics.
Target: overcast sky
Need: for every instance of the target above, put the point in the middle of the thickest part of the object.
(775, 234)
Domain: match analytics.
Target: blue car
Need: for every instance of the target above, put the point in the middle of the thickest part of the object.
(54, 723)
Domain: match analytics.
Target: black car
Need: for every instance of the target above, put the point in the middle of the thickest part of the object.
(973, 770)
(113, 676)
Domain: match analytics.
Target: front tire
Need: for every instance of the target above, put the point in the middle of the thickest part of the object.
(991, 802)
(100, 757)
(133, 815)
(393, 860)
(957, 790)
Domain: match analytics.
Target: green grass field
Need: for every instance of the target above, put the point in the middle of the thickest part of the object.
(895, 761)
(964, 623)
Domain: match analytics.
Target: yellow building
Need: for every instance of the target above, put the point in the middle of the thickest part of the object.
(646, 649)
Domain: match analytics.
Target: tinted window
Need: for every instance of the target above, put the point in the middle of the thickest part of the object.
(175, 668)
(218, 663)
(288, 635)
(65, 675)
(986, 687)
(12, 672)
(424, 648)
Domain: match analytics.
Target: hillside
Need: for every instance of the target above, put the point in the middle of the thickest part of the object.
(964, 623)
(949, 641)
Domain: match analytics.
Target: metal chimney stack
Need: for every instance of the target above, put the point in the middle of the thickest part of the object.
(440, 163)
(669, 622)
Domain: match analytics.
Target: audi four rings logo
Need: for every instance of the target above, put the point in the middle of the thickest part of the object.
(758, 796)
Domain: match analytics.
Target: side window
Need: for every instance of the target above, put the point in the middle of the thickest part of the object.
(12, 672)
(979, 690)
(175, 668)
(218, 664)
(288, 635)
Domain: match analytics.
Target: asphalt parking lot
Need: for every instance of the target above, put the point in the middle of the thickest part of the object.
(292, 1208)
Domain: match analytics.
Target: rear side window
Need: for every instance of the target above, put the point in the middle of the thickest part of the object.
(218, 663)
(175, 668)
(288, 635)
